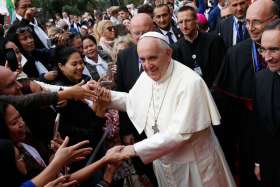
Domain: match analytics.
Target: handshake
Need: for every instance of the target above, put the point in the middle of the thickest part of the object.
(101, 99)
(119, 153)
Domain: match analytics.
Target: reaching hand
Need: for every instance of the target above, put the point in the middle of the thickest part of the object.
(51, 75)
(65, 155)
(257, 172)
(78, 92)
(56, 142)
(30, 13)
(128, 139)
(62, 181)
(119, 153)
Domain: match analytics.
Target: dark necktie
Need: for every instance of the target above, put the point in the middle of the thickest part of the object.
(240, 36)
(169, 34)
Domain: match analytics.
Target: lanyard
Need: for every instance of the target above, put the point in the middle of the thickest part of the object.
(255, 58)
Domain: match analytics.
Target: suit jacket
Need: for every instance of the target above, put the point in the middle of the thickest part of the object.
(213, 17)
(128, 69)
(178, 34)
(209, 50)
(11, 33)
(127, 74)
(266, 128)
(45, 56)
(225, 30)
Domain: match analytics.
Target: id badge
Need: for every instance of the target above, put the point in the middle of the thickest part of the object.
(198, 70)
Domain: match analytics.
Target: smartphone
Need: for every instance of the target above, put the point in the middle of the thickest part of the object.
(105, 83)
(11, 58)
(56, 126)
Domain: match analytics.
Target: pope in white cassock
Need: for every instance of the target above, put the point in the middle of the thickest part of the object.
(174, 107)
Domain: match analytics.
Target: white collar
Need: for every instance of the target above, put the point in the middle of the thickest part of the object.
(236, 20)
(164, 32)
(278, 72)
(220, 6)
(19, 17)
(92, 62)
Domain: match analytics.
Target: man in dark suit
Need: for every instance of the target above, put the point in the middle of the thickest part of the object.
(128, 70)
(215, 14)
(165, 26)
(235, 87)
(233, 29)
(25, 16)
(267, 107)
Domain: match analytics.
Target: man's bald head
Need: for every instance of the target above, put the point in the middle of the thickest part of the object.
(140, 24)
(8, 83)
(258, 15)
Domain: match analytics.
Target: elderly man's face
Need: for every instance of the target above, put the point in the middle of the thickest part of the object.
(154, 58)
(8, 83)
(239, 8)
(137, 30)
(256, 20)
(270, 49)
(162, 17)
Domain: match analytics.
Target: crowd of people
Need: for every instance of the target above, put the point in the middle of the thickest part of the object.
(169, 94)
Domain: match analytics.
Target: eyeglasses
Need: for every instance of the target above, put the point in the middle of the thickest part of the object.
(21, 30)
(271, 50)
(138, 33)
(256, 22)
(186, 21)
(110, 29)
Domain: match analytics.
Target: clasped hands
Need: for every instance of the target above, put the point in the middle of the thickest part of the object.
(119, 153)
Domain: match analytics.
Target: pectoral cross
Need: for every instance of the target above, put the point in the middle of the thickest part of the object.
(155, 127)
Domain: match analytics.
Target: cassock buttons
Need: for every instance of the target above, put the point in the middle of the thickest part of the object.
(194, 56)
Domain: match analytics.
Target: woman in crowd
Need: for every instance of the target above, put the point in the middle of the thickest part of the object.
(77, 118)
(106, 34)
(95, 66)
(22, 162)
(39, 61)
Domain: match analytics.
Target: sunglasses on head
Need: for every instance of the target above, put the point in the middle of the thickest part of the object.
(23, 30)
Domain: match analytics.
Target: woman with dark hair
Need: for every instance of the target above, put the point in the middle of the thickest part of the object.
(39, 61)
(22, 162)
(95, 66)
(13, 128)
(10, 175)
(77, 119)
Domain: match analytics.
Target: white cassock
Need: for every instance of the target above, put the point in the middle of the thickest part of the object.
(185, 152)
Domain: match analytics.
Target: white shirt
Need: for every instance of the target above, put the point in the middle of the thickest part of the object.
(172, 36)
(234, 32)
(101, 66)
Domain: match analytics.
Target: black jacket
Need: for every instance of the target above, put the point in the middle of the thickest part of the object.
(78, 121)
